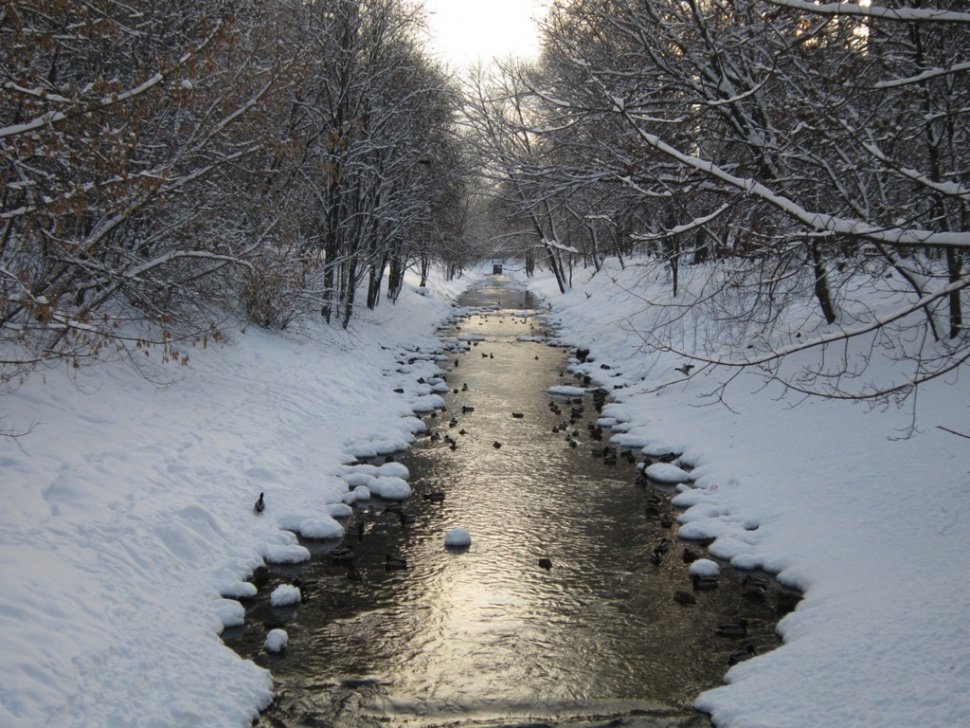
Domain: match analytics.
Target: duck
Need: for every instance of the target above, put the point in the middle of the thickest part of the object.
(545, 563)
(496, 444)
(260, 505)
(392, 562)
(518, 415)
(743, 654)
(343, 555)
(402, 515)
(735, 629)
(260, 577)
(435, 496)
(754, 588)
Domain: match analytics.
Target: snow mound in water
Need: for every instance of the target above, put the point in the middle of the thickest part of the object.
(284, 595)
(394, 469)
(668, 473)
(390, 488)
(565, 390)
(230, 612)
(705, 567)
(458, 538)
(276, 640)
(285, 553)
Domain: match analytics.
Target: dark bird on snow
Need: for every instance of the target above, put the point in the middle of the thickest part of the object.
(260, 505)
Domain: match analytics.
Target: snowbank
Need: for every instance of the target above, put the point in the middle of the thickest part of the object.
(826, 494)
(128, 509)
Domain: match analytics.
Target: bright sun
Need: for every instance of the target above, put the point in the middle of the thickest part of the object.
(464, 32)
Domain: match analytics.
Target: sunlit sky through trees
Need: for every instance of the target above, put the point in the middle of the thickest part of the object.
(466, 31)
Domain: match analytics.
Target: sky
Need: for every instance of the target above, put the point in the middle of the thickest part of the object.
(465, 31)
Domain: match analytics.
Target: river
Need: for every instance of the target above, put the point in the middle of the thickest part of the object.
(561, 613)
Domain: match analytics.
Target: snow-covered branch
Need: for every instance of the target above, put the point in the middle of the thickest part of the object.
(904, 14)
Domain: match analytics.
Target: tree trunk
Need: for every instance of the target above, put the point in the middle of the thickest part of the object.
(822, 292)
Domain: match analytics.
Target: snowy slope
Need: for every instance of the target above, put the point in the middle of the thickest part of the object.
(874, 528)
(128, 510)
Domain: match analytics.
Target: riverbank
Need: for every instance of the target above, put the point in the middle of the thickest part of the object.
(128, 509)
(831, 495)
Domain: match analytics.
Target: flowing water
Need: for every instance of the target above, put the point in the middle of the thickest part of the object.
(488, 636)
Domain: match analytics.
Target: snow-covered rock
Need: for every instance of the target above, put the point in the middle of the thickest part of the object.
(276, 640)
(458, 538)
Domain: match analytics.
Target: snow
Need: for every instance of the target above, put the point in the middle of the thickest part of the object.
(127, 527)
(390, 487)
(276, 640)
(845, 501)
(284, 595)
(667, 473)
(565, 390)
(127, 531)
(704, 567)
(458, 538)
(320, 527)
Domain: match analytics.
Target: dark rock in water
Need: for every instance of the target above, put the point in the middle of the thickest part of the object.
(359, 682)
(735, 629)
(704, 583)
(684, 598)
(690, 556)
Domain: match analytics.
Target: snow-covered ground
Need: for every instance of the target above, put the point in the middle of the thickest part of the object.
(875, 529)
(127, 511)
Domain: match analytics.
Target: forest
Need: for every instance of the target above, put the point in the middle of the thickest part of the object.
(168, 165)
